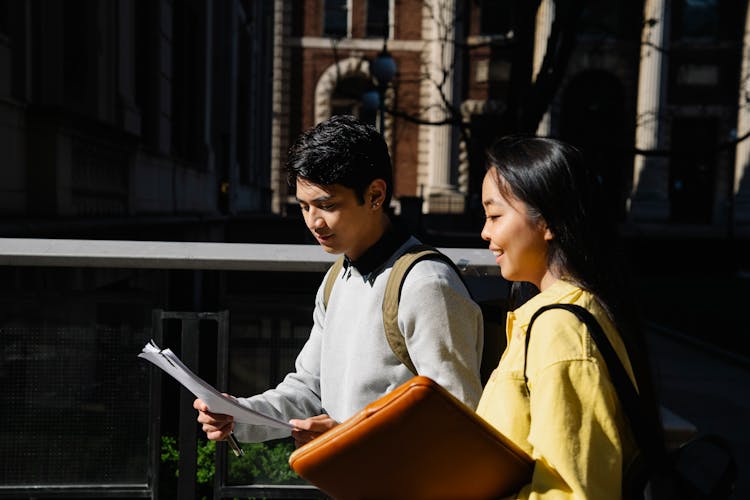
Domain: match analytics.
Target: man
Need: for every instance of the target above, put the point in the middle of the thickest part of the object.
(342, 172)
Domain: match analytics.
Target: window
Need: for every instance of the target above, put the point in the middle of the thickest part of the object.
(187, 56)
(704, 55)
(699, 19)
(496, 17)
(612, 18)
(4, 16)
(702, 76)
(335, 21)
(692, 172)
(377, 18)
(707, 20)
(13, 30)
(146, 91)
(79, 56)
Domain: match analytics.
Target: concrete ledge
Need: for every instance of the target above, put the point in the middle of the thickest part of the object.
(197, 255)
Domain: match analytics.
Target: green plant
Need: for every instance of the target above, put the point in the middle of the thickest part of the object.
(205, 470)
(262, 462)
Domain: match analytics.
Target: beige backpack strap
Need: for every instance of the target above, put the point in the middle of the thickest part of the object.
(393, 293)
(331, 280)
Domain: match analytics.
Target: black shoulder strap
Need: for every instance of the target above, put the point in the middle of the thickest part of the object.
(722, 477)
(626, 392)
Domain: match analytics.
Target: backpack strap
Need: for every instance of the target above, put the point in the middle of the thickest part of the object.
(392, 296)
(672, 476)
(622, 383)
(331, 280)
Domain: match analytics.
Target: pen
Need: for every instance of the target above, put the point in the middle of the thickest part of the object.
(235, 445)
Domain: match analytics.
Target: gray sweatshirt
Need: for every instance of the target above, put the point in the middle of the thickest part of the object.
(347, 362)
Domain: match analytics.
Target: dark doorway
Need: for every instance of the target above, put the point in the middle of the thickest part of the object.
(692, 170)
(593, 119)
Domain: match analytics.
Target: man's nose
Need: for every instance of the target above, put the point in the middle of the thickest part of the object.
(315, 219)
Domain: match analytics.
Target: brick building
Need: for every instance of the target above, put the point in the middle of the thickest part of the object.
(654, 92)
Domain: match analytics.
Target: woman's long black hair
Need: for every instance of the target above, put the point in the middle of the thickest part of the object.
(552, 180)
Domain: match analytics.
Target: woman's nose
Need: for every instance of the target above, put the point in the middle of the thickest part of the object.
(484, 234)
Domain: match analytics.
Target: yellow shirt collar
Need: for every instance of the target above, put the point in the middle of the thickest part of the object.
(560, 291)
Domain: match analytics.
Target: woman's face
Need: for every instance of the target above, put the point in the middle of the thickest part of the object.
(520, 245)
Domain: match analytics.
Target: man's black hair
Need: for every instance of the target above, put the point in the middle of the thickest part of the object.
(341, 150)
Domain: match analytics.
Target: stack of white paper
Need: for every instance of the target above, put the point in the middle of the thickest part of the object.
(216, 401)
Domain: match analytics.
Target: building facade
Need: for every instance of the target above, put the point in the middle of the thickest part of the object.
(133, 113)
(655, 93)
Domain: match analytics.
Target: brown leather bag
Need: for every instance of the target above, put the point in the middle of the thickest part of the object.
(417, 442)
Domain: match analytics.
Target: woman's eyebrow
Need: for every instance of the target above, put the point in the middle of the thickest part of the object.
(490, 201)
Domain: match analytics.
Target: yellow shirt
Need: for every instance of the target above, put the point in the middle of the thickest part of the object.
(572, 425)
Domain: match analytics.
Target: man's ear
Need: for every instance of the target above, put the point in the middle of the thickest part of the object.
(375, 193)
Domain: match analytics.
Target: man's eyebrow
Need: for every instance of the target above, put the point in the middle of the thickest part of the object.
(319, 199)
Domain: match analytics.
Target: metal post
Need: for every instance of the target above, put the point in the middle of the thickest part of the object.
(189, 353)
(188, 435)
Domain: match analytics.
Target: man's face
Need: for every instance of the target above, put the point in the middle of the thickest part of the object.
(336, 218)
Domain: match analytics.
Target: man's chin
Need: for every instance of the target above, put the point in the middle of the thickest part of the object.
(330, 249)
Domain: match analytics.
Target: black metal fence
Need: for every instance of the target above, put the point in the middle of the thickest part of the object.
(86, 418)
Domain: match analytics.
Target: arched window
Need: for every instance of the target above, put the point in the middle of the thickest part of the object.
(347, 99)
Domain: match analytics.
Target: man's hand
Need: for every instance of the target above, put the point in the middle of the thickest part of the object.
(217, 426)
(308, 429)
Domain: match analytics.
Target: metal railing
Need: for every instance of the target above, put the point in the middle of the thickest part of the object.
(205, 256)
(100, 348)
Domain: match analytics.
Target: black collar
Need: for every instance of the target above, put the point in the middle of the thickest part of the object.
(377, 255)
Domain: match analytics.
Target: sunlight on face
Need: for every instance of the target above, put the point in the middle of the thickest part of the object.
(334, 215)
(520, 245)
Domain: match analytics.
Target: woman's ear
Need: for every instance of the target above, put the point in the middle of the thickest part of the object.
(375, 193)
(548, 234)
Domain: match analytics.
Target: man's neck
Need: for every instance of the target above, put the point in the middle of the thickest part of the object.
(378, 228)
(380, 251)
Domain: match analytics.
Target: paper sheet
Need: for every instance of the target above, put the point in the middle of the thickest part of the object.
(216, 402)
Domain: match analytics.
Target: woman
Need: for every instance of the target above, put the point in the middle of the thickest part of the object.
(543, 223)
